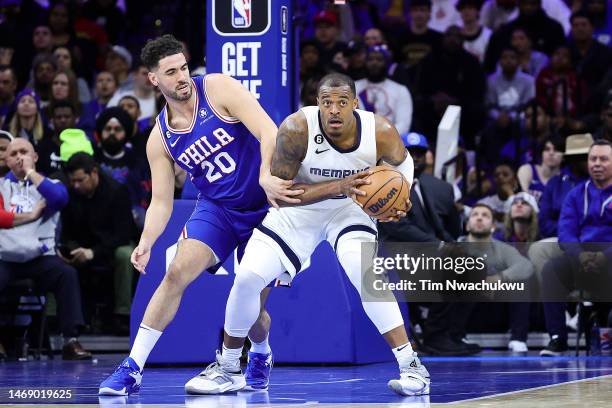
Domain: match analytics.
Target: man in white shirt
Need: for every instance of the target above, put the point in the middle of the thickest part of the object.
(379, 94)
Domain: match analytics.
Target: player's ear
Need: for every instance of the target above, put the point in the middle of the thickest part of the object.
(153, 78)
(355, 103)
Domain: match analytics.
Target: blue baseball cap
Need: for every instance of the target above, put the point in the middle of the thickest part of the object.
(414, 139)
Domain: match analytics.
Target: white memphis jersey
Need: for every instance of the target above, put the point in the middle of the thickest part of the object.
(325, 162)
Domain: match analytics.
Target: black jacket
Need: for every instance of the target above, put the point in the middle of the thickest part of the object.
(102, 222)
(438, 222)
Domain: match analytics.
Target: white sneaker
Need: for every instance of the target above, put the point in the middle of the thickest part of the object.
(414, 379)
(215, 379)
(516, 346)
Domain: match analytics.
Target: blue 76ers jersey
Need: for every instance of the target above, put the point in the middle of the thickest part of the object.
(218, 152)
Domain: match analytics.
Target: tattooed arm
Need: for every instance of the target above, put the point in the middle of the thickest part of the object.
(291, 147)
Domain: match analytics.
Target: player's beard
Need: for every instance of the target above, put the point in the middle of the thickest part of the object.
(175, 95)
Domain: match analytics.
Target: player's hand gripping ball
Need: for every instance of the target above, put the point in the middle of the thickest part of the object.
(386, 195)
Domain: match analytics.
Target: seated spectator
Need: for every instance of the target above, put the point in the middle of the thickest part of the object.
(506, 185)
(546, 33)
(310, 60)
(418, 40)
(5, 139)
(118, 63)
(43, 69)
(559, 89)
(63, 117)
(530, 61)
(63, 57)
(379, 94)
(557, 188)
(503, 262)
(508, 90)
(586, 217)
(533, 177)
(131, 105)
(142, 128)
(27, 121)
(590, 58)
(42, 40)
(536, 128)
(114, 128)
(8, 87)
(440, 87)
(142, 90)
(98, 229)
(605, 130)
(475, 36)
(64, 88)
(521, 222)
(355, 55)
(327, 35)
(575, 158)
(27, 251)
(105, 88)
(374, 36)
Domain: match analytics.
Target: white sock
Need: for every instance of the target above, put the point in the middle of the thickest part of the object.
(143, 344)
(230, 358)
(403, 354)
(262, 348)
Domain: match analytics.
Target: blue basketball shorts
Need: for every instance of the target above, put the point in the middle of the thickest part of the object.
(222, 229)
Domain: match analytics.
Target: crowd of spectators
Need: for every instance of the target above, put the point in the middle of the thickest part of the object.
(533, 79)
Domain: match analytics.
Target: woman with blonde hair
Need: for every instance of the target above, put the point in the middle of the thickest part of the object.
(27, 121)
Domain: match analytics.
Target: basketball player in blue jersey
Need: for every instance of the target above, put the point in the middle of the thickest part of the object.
(325, 148)
(210, 127)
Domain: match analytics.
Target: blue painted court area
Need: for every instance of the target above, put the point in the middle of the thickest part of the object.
(453, 379)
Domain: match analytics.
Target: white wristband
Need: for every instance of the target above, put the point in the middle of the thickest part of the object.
(407, 168)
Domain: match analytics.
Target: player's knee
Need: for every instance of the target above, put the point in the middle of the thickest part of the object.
(248, 282)
(174, 278)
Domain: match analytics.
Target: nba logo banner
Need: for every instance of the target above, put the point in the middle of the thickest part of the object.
(240, 17)
(254, 42)
(241, 13)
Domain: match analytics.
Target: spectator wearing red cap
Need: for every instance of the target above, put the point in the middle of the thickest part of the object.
(327, 35)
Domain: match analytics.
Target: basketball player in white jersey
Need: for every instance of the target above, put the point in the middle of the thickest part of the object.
(327, 149)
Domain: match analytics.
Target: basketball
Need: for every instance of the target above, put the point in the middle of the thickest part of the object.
(388, 190)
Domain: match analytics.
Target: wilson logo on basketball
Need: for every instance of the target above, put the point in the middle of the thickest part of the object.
(382, 202)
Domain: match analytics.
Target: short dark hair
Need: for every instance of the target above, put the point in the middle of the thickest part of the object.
(159, 48)
(335, 80)
(62, 104)
(601, 142)
(580, 14)
(132, 97)
(483, 205)
(81, 161)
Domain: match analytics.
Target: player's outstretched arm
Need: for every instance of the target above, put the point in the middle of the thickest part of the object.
(291, 147)
(158, 213)
(391, 150)
(237, 101)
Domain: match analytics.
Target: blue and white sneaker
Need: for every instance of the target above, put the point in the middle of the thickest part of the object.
(414, 379)
(124, 381)
(257, 372)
